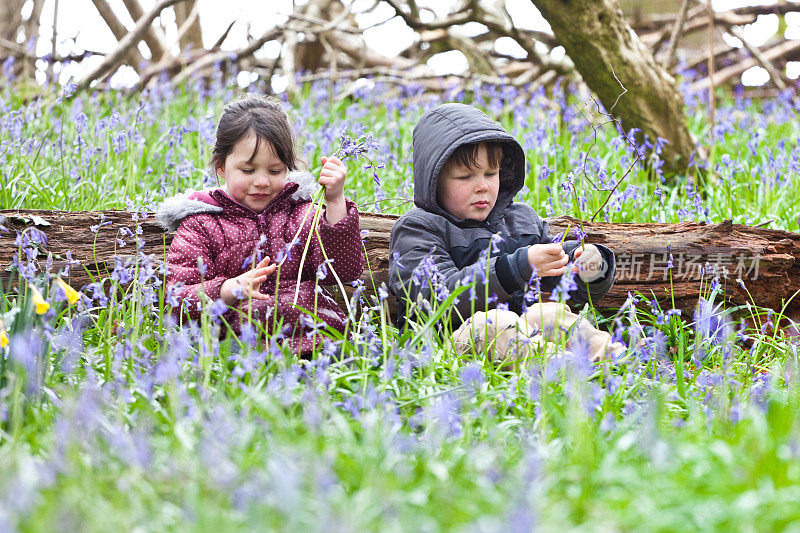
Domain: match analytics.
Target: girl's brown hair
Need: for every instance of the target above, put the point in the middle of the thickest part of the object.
(258, 115)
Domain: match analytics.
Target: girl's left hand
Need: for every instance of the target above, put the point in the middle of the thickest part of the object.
(332, 177)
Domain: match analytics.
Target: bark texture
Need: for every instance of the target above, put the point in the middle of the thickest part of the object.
(767, 260)
(601, 44)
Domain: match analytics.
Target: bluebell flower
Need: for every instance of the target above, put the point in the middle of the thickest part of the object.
(217, 309)
(69, 89)
(396, 260)
(322, 269)
(123, 273)
(566, 285)
(360, 287)
(472, 377)
(238, 292)
(119, 142)
(26, 350)
(495, 242)
(8, 68)
(383, 294)
(103, 222)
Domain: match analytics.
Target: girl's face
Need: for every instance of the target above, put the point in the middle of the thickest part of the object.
(253, 180)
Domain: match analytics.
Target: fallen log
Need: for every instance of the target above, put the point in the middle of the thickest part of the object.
(767, 261)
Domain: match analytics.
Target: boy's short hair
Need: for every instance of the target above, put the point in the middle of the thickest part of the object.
(466, 155)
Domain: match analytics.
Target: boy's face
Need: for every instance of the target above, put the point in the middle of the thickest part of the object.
(469, 192)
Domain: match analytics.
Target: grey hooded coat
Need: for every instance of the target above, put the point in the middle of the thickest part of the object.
(428, 242)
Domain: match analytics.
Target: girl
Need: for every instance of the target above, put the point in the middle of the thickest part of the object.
(243, 244)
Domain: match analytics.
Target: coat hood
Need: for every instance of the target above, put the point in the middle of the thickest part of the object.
(437, 135)
(171, 211)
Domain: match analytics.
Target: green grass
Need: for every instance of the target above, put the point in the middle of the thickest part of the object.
(136, 423)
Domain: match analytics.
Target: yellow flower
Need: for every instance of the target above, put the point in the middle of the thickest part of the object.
(38, 301)
(71, 294)
(3, 335)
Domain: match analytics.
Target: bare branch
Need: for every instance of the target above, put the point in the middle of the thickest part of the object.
(222, 37)
(16, 49)
(119, 30)
(11, 11)
(711, 100)
(777, 77)
(780, 8)
(414, 22)
(154, 38)
(778, 51)
(33, 22)
(677, 29)
(129, 41)
(287, 60)
(208, 60)
(55, 37)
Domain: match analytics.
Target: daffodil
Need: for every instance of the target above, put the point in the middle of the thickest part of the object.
(3, 335)
(71, 294)
(39, 302)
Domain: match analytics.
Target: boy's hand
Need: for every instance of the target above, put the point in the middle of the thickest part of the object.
(332, 177)
(589, 263)
(548, 259)
(245, 286)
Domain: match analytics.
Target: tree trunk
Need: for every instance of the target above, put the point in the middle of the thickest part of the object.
(193, 36)
(600, 42)
(768, 261)
(10, 24)
(10, 19)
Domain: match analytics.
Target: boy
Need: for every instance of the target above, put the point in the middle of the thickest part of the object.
(467, 170)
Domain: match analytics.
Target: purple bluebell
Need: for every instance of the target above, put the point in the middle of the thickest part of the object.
(217, 309)
(472, 377)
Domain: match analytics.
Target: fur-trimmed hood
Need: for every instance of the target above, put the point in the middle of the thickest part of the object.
(171, 211)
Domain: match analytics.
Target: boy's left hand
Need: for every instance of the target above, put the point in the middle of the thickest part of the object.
(332, 177)
(589, 263)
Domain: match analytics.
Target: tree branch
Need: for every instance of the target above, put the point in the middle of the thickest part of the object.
(155, 40)
(414, 22)
(236, 55)
(777, 77)
(778, 51)
(677, 29)
(119, 30)
(129, 41)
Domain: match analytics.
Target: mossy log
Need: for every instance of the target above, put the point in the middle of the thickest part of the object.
(768, 261)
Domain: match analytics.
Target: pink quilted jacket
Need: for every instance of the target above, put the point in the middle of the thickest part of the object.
(225, 234)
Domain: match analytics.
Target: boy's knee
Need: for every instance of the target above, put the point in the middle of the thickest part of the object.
(503, 333)
(548, 315)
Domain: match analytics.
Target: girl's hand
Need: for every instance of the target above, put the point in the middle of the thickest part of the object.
(332, 177)
(245, 286)
(589, 263)
(548, 259)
